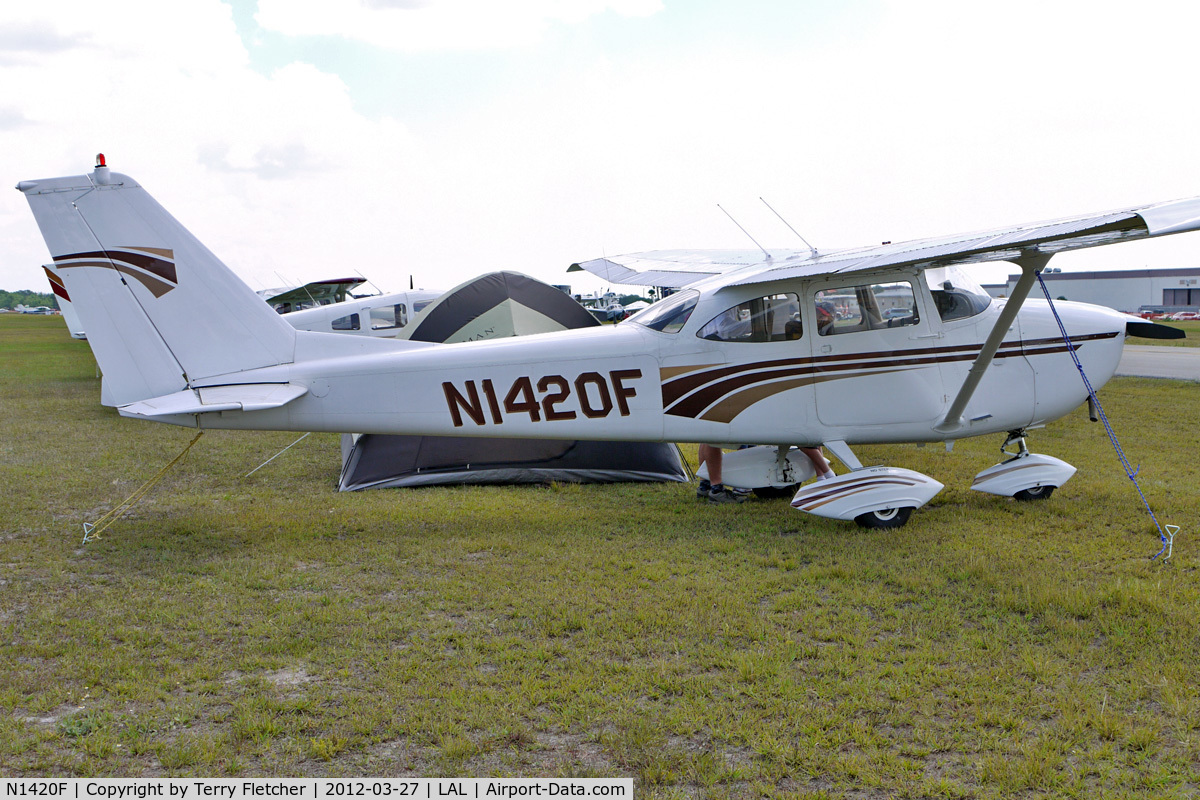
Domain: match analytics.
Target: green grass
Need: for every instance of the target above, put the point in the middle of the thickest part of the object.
(271, 626)
(1190, 327)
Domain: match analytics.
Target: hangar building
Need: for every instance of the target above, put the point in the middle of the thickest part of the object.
(1167, 290)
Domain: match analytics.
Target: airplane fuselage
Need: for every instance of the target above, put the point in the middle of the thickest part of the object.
(870, 382)
(894, 343)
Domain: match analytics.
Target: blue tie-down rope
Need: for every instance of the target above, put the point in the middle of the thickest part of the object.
(1167, 537)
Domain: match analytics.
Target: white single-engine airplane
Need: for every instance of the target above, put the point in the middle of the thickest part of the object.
(881, 344)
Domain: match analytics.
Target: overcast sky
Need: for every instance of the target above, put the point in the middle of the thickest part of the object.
(302, 139)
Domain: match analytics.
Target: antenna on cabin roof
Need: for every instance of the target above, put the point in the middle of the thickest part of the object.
(302, 286)
(743, 230)
(365, 280)
(811, 249)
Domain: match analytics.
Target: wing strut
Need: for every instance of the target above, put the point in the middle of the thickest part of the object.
(1031, 263)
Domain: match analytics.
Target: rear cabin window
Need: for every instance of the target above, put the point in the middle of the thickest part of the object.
(346, 323)
(868, 307)
(386, 317)
(774, 318)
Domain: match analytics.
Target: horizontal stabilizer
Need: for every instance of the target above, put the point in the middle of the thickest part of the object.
(161, 311)
(239, 397)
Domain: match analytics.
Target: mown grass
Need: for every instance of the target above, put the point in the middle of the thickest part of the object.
(270, 626)
(1190, 327)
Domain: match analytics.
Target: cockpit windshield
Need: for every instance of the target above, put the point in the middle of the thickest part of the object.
(955, 293)
(669, 314)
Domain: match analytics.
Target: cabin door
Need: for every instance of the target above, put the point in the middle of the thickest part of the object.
(875, 358)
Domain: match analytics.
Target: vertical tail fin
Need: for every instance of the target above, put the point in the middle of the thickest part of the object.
(160, 310)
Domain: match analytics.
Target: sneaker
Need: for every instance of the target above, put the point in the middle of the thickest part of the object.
(719, 494)
(703, 489)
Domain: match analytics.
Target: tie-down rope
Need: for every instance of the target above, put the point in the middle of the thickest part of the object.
(1168, 537)
(92, 530)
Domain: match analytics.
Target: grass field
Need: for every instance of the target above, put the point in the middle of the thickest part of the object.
(1189, 327)
(236, 626)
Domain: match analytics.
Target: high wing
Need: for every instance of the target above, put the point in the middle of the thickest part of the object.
(674, 268)
(1029, 246)
(678, 268)
(317, 293)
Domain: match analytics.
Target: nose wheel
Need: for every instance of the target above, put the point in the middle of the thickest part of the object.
(1025, 476)
(1036, 493)
(884, 519)
(1017, 438)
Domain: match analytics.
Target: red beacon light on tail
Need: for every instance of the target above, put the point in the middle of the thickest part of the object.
(101, 176)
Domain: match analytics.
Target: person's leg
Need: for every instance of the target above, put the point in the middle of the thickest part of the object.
(710, 455)
(819, 463)
(705, 456)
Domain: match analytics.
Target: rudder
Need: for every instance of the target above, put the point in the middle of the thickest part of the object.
(160, 310)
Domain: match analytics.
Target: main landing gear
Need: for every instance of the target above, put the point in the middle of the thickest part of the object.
(874, 497)
(1025, 476)
(885, 497)
(771, 471)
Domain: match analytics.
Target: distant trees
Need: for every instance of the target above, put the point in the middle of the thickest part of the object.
(26, 297)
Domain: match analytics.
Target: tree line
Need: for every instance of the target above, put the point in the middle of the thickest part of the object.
(26, 297)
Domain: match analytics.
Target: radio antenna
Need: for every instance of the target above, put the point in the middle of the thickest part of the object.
(377, 289)
(743, 230)
(812, 250)
(303, 286)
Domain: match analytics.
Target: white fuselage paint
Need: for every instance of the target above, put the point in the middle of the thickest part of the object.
(628, 382)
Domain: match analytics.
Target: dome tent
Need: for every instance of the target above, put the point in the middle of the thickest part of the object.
(496, 305)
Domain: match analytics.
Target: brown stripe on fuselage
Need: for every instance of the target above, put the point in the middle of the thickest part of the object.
(678, 387)
(736, 403)
(684, 396)
(667, 373)
(681, 386)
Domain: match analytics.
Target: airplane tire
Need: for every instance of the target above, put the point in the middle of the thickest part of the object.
(891, 518)
(776, 492)
(1036, 493)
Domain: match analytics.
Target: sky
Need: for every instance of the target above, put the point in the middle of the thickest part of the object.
(436, 140)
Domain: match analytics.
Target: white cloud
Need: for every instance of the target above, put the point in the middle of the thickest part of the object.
(256, 165)
(434, 25)
(925, 119)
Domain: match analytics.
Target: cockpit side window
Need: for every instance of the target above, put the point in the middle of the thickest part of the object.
(669, 314)
(387, 317)
(955, 294)
(774, 318)
(346, 323)
(869, 307)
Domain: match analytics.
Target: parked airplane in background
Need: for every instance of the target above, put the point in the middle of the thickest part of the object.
(310, 295)
(379, 315)
(748, 353)
(606, 307)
